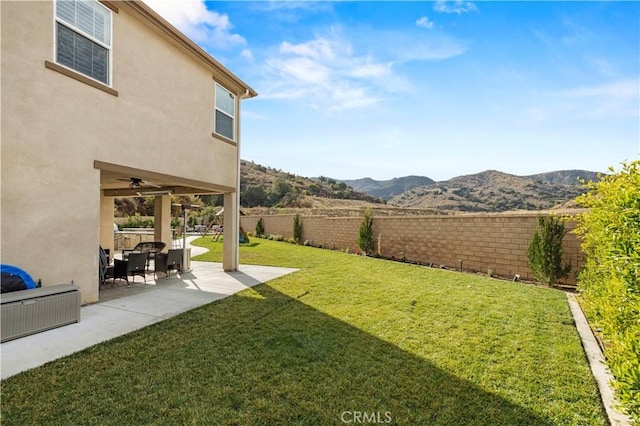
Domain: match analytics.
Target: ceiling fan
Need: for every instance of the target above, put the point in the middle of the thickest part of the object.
(135, 182)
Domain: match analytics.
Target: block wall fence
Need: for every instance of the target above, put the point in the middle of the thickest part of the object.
(483, 242)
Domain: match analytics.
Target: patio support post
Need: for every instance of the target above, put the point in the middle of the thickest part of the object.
(107, 235)
(162, 220)
(231, 232)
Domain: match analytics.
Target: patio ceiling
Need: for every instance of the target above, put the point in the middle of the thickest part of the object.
(116, 181)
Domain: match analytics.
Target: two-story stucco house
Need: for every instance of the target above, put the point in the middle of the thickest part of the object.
(95, 93)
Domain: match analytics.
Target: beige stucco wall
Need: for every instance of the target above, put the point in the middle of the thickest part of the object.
(55, 127)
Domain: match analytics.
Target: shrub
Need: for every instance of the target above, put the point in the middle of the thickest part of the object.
(545, 250)
(260, 227)
(365, 235)
(137, 221)
(297, 229)
(610, 279)
(192, 220)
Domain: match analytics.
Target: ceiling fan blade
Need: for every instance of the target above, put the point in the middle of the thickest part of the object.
(151, 184)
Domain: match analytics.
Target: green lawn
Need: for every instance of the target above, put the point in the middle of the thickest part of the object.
(345, 334)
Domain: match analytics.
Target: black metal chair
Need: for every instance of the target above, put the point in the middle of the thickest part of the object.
(150, 247)
(166, 262)
(134, 265)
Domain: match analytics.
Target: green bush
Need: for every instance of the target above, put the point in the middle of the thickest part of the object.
(297, 229)
(260, 227)
(609, 281)
(137, 221)
(545, 250)
(365, 234)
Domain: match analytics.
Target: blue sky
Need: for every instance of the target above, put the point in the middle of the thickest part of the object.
(440, 89)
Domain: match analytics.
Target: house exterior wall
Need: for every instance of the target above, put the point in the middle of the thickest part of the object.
(482, 241)
(55, 127)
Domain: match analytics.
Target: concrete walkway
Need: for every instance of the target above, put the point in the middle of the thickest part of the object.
(122, 310)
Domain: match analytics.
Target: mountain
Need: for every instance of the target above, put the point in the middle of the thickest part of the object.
(387, 189)
(489, 191)
(262, 186)
(494, 191)
(273, 191)
(569, 177)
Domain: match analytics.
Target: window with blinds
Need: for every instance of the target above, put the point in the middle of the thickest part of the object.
(83, 38)
(225, 112)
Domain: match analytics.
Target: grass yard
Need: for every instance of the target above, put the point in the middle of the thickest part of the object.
(346, 337)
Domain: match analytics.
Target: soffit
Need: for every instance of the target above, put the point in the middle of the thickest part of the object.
(115, 181)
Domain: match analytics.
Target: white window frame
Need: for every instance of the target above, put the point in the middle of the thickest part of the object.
(218, 109)
(109, 47)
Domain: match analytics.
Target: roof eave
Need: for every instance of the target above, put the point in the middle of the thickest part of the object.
(150, 16)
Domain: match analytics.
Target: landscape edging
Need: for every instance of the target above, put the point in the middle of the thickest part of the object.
(598, 367)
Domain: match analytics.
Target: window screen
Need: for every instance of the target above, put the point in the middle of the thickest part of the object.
(225, 112)
(83, 37)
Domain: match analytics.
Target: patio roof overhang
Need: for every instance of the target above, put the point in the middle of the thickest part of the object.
(115, 181)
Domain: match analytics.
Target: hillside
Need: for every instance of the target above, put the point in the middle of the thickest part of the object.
(494, 191)
(266, 190)
(569, 177)
(262, 186)
(387, 189)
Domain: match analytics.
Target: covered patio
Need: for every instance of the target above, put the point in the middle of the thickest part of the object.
(120, 181)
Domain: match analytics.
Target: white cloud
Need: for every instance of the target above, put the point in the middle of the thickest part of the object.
(333, 74)
(326, 72)
(199, 23)
(370, 69)
(619, 98)
(301, 70)
(619, 90)
(456, 6)
(430, 50)
(424, 22)
(614, 100)
(247, 54)
(315, 49)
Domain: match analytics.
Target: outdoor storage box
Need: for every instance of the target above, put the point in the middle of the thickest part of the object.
(31, 311)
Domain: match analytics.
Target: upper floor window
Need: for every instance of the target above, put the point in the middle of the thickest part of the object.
(83, 37)
(225, 112)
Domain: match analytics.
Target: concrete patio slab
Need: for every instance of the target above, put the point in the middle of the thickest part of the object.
(122, 310)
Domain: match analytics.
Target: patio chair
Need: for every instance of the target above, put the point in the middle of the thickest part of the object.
(104, 265)
(134, 265)
(166, 262)
(150, 247)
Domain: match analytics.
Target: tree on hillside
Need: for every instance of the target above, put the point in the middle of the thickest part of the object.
(254, 196)
(279, 189)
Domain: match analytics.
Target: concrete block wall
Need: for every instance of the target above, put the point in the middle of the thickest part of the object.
(483, 242)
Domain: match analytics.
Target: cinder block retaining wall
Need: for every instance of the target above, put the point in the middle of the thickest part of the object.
(496, 242)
